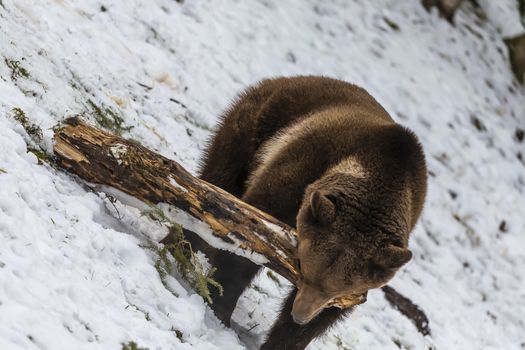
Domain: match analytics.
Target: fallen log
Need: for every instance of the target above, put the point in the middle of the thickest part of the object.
(225, 222)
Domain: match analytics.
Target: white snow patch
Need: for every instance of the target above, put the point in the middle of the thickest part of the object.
(176, 184)
(118, 151)
(284, 234)
(123, 197)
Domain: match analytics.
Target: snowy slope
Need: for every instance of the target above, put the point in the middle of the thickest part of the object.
(74, 276)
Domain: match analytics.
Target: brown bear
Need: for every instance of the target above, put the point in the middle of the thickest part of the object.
(323, 156)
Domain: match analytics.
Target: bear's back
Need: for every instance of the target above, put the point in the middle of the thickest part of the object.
(267, 108)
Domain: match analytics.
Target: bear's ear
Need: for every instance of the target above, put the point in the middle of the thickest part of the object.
(393, 256)
(323, 208)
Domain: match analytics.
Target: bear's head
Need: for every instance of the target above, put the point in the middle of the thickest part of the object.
(351, 238)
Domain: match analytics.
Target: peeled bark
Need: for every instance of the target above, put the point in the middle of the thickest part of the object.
(102, 158)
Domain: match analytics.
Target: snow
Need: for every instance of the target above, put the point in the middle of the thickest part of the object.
(176, 184)
(505, 16)
(73, 270)
(118, 151)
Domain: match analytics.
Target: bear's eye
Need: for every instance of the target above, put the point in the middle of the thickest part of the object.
(376, 272)
(397, 242)
(332, 198)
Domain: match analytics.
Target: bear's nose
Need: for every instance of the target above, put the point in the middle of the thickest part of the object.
(299, 320)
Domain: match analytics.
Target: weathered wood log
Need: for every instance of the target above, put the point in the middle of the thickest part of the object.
(102, 158)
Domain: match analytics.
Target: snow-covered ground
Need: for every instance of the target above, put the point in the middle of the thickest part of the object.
(75, 276)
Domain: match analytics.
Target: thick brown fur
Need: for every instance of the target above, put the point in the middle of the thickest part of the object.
(323, 156)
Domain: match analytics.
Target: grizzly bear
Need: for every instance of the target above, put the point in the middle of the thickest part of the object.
(323, 156)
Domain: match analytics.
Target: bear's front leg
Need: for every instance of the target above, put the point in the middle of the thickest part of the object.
(234, 273)
(288, 335)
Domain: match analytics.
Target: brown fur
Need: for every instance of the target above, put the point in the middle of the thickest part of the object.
(323, 156)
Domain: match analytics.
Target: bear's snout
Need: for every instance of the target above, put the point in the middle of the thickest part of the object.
(309, 301)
